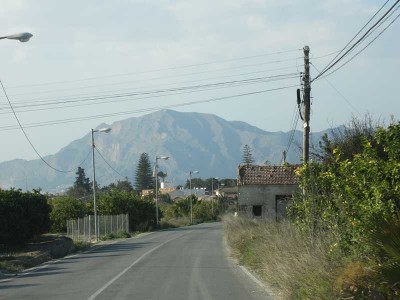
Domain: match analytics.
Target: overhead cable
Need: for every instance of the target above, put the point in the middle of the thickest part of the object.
(29, 141)
(150, 94)
(160, 69)
(350, 48)
(70, 120)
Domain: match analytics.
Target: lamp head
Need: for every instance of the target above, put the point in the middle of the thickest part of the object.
(163, 157)
(22, 37)
(106, 130)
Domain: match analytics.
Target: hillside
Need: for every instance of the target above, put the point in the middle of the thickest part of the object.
(193, 141)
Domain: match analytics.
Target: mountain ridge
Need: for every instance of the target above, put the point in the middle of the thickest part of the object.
(193, 141)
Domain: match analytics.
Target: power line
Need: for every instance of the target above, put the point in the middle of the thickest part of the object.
(70, 120)
(152, 94)
(337, 91)
(125, 177)
(334, 62)
(27, 138)
(158, 70)
(355, 35)
(30, 143)
(158, 85)
(359, 52)
(152, 79)
(291, 128)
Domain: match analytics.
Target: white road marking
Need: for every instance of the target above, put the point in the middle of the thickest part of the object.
(99, 291)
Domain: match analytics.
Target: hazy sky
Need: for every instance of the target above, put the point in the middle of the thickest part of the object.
(86, 56)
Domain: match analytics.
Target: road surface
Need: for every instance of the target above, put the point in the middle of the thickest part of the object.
(183, 263)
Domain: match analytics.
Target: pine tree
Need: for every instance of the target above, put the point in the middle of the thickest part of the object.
(81, 181)
(144, 176)
(82, 186)
(247, 155)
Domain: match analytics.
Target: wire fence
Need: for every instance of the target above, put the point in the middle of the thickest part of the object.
(83, 229)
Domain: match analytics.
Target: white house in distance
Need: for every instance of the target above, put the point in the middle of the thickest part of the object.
(264, 191)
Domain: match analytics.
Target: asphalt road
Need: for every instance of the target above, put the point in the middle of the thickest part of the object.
(184, 263)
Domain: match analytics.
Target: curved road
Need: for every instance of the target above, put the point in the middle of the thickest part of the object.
(184, 263)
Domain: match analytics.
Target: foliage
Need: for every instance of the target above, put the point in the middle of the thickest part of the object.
(348, 139)
(142, 212)
(120, 185)
(143, 176)
(115, 202)
(162, 175)
(247, 155)
(22, 215)
(352, 196)
(65, 208)
(388, 242)
(81, 185)
(166, 198)
(355, 193)
(202, 210)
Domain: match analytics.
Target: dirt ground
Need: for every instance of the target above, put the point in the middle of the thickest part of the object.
(38, 251)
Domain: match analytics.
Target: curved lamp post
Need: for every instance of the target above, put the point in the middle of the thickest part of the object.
(96, 227)
(191, 200)
(22, 37)
(156, 176)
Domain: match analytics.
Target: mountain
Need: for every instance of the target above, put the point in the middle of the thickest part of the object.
(193, 141)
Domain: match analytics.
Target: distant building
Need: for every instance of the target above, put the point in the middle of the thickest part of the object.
(183, 193)
(264, 191)
(166, 190)
(148, 192)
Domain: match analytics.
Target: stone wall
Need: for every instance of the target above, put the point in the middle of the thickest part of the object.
(266, 196)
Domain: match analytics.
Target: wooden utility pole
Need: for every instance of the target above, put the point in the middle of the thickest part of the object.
(307, 104)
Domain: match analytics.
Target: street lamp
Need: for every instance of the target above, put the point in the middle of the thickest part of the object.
(156, 176)
(22, 37)
(212, 193)
(191, 200)
(96, 229)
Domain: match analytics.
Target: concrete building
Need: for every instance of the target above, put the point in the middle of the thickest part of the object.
(264, 191)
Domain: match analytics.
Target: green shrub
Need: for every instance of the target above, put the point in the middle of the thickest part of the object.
(204, 211)
(65, 208)
(142, 213)
(22, 215)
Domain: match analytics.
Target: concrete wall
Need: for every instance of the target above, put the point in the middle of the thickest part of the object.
(264, 195)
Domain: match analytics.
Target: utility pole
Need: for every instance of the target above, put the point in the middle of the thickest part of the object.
(307, 105)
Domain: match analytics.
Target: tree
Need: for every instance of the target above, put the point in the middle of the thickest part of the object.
(348, 139)
(65, 208)
(144, 177)
(162, 175)
(121, 185)
(81, 185)
(247, 155)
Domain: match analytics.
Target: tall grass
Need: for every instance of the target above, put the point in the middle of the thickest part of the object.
(295, 265)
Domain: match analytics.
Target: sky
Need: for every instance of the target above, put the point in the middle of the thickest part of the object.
(92, 62)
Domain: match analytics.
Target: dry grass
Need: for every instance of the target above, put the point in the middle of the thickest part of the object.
(295, 265)
(174, 223)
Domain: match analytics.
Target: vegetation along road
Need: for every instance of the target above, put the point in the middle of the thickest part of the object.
(184, 263)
